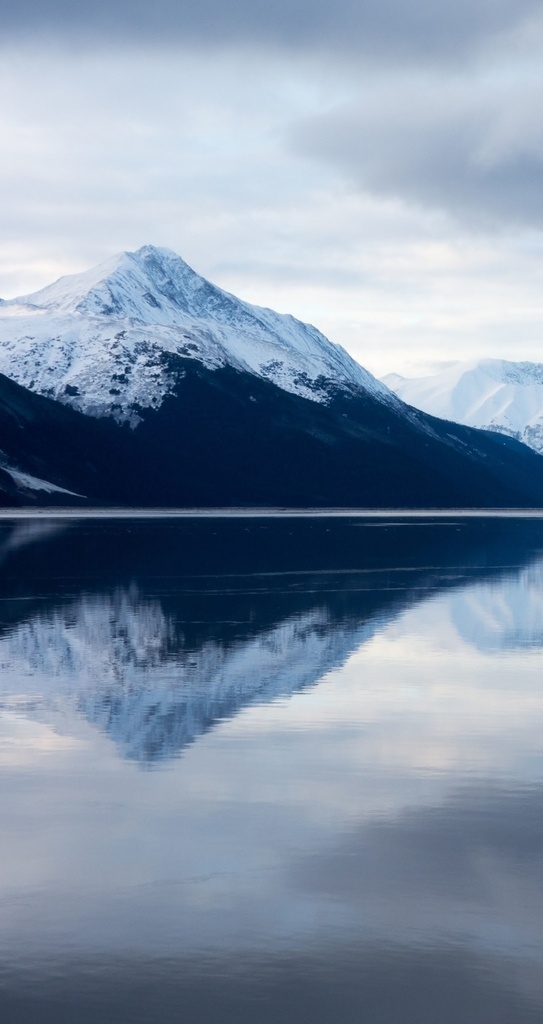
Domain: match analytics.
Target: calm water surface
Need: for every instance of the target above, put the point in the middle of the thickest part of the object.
(271, 771)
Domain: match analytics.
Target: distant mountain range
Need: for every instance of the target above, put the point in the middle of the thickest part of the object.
(140, 383)
(493, 394)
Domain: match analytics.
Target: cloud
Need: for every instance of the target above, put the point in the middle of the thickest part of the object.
(471, 146)
(374, 29)
(331, 189)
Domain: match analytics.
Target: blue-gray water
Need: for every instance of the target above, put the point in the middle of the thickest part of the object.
(271, 770)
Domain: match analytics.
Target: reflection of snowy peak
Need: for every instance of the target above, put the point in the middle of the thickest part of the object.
(103, 341)
(121, 663)
(502, 615)
(491, 393)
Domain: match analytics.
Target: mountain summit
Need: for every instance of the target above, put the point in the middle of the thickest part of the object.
(100, 341)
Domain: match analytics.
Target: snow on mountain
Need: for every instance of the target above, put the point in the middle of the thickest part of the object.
(100, 340)
(26, 481)
(120, 662)
(494, 394)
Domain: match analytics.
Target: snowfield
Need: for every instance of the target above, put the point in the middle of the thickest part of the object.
(493, 394)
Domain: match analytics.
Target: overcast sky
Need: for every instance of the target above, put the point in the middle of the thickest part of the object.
(375, 168)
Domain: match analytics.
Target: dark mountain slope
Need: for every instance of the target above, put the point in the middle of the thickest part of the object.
(57, 445)
(227, 438)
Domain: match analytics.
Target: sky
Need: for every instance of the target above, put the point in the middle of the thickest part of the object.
(374, 168)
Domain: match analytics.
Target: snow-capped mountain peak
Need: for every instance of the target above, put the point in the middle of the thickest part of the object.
(494, 394)
(150, 285)
(98, 340)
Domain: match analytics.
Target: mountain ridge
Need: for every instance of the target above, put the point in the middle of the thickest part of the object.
(490, 394)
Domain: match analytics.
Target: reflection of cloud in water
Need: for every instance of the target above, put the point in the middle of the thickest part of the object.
(344, 825)
(473, 863)
(370, 848)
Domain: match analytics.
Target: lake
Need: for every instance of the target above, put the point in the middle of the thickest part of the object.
(271, 769)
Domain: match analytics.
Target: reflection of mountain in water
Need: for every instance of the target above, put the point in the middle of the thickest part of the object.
(146, 631)
(504, 614)
(122, 663)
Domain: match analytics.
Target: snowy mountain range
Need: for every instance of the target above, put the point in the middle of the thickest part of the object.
(493, 394)
(140, 383)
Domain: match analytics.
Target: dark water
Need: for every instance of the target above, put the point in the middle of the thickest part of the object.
(281, 770)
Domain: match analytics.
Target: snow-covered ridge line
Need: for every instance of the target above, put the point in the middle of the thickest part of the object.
(494, 394)
(100, 340)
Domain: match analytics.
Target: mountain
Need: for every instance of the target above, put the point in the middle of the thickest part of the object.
(493, 394)
(140, 383)
(100, 341)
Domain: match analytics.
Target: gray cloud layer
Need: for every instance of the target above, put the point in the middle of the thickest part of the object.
(473, 148)
(390, 29)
